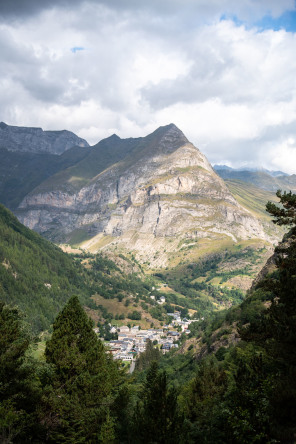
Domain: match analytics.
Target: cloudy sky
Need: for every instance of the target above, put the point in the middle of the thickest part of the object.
(224, 71)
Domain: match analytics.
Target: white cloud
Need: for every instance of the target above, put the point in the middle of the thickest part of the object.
(230, 88)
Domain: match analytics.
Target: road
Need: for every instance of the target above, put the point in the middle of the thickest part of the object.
(132, 367)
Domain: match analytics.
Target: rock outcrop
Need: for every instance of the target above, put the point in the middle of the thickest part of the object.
(161, 192)
(35, 140)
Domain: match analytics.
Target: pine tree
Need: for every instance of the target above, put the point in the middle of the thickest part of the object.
(157, 418)
(79, 400)
(19, 387)
(148, 356)
(202, 403)
(275, 332)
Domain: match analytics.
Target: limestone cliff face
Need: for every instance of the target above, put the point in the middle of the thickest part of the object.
(146, 202)
(35, 140)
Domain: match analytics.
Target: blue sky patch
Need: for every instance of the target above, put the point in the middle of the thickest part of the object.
(77, 48)
(287, 21)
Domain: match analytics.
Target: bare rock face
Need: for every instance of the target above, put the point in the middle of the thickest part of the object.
(35, 140)
(164, 190)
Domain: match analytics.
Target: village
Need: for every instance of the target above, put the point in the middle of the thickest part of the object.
(132, 340)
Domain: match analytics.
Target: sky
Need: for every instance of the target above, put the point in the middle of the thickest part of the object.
(223, 71)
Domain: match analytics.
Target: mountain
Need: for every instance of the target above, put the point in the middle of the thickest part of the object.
(39, 277)
(35, 140)
(156, 195)
(258, 169)
(264, 179)
(21, 172)
(28, 156)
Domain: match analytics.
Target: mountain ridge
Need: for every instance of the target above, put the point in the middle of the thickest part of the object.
(159, 191)
(36, 140)
(260, 178)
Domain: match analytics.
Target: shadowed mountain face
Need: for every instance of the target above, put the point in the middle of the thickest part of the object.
(28, 156)
(149, 194)
(35, 140)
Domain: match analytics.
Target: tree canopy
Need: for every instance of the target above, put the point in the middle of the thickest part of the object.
(85, 378)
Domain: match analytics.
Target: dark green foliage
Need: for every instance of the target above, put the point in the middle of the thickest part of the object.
(19, 387)
(157, 420)
(275, 333)
(27, 263)
(260, 402)
(286, 213)
(201, 400)
(247, 407)
(148, 356)
(135, 315)
(85, 379)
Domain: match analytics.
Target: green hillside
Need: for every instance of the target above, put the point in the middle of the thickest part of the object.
(21, 172)
(39, 277)
(251, 197)
(35, 274)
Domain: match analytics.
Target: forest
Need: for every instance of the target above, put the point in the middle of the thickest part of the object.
(242, 393)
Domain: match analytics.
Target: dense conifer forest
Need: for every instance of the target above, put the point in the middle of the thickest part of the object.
(242, 393)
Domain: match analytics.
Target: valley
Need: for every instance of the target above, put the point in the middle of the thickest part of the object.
(135, 251)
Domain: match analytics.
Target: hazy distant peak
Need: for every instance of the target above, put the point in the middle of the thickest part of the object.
(250, 169)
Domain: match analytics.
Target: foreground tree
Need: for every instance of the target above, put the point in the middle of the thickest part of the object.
(275, 331)
(78, 402)
(285, 214)
(157, 420)
(19, 386)
(201, 399)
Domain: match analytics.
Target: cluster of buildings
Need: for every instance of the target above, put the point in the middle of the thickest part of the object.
(132, 341)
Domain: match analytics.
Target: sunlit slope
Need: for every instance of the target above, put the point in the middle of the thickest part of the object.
(251, 197)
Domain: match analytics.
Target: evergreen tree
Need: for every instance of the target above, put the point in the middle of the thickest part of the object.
(148, 356)
(202, 399)
(79, 400)
(157, 419)
(275, 332)
(19, 387)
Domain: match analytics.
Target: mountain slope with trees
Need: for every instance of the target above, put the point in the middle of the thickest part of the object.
(245, 393)
(39, 277)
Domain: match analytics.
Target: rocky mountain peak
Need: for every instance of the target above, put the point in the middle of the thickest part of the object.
(35, 140)
(168, 138)
(153, 195)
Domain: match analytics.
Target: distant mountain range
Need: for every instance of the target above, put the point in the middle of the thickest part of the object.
(261, 178)
(252, 170)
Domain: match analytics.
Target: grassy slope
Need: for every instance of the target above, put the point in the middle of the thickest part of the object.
(251, 197)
